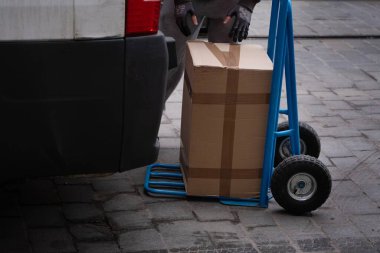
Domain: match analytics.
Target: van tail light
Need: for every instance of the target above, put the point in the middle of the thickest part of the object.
(142, 17)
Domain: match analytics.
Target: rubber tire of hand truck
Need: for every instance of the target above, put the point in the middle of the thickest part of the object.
(308, 138)
(295, 168)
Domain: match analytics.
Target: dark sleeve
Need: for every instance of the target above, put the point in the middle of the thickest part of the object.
(250, 4)
(176, 2)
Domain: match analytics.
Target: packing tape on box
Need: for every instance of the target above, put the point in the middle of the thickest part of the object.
(221, 99)
(214, 173)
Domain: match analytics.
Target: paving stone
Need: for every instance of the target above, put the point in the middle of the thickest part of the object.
(346, 189)
(98, 247)
(363, 176)
(113, 186)
(350, 114)
(357, 205)
(91, 232)
(345, 163)
(338, 174)
(211, 211)
(252, 217)
(356, 75)
(169, 142)
(168, 155)
(330, 121)
(358, 104)
(112, 176)
(327, 215)
(348, 230)
(312, 86)
(326, 95)
(151, 198)
(372, 134)
(164, 211)
(358, 143)
(369, 225)
(141, 240)
(337, 105)
(124, 202)
(38, 192)
(375, 75)
(173, 110)
(332, 147)
(308, 99)
(276, 247)
(138, 175)
(297, 227)
(319, 111)
(168, 131)
(369, 110)
(76, 193)
(352, 94)
(339, 131)
(83, 212)
(364, 124)
(315, 245)
(43, 216)
(352, 245)
(372, 190)
(165, 119)
(51, 240)
(271, 235)
(130, 220)
(367, 85)
(225, 234)
(185, 234)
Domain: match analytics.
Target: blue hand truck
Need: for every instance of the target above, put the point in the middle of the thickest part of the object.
(299, 183)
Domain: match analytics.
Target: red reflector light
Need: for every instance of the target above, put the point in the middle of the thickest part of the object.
(142, 17)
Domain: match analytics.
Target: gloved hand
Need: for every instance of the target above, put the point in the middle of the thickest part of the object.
(242, 13)
(182, 9)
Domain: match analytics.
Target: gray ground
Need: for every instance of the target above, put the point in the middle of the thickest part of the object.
(338, 94)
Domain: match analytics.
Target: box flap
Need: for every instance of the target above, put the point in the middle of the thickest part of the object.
(223, 55)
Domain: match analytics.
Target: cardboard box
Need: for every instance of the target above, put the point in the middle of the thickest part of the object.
(224, 117)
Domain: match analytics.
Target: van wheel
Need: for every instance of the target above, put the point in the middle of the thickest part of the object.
(309, 142)
(301, 184)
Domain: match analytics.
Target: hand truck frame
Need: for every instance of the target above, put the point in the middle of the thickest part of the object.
(306, 180)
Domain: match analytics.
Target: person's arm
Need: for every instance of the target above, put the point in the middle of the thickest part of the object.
(182, 9)
(242, 13)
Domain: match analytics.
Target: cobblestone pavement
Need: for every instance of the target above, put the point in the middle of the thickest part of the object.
(339, 95)
(324, 18)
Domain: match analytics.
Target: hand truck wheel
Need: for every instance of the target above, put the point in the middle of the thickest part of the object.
(309, 142)
(301, 184)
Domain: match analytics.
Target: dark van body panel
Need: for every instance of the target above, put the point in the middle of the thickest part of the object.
(86, 106)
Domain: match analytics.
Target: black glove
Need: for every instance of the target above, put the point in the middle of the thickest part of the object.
(182, 9)
(242, 13)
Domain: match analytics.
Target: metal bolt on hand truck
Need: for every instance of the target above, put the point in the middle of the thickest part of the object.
(300, 182)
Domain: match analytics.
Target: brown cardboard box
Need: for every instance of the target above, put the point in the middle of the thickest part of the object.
(224, 116)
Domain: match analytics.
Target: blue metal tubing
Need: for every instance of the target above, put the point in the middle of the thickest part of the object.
(273, 28)
(291, 85)
(284, 133)
(284, 111)
(167, 192)
(162, 191)
(166, 166)
(274, 97)
(166, 174)
(174, 184)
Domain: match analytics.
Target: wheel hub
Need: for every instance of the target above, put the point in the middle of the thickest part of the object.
(285, 149)
(302, 186)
